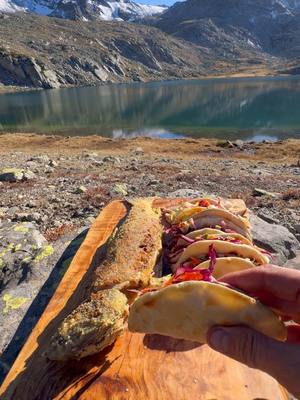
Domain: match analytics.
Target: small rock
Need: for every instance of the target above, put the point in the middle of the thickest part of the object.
(11, 175)
(4, 209)
(97, 163)
(81, 189)
(49, 170)
(28, 175)
(27, 217)
(36, 217)
(32, 164)
(90, 155)
(154, 182)
(228, 144)
(56, 223)
(297, 228)
(120, 188)
(12, 210)
(112, 159)
(31, 204)
(239, 143)
(41, 159)
(89, 208)
(53, 163)
(261, 192)
(138, 150)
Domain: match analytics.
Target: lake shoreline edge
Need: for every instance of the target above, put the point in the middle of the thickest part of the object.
(235, 75)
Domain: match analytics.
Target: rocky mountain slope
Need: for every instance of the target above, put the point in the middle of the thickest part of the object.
(192, 39)
(121, 10)
(47, 52)
(240, 25)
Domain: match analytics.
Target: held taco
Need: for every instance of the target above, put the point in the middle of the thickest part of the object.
(188, 310)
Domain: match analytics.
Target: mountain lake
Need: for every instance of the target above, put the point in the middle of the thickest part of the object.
(232, 108)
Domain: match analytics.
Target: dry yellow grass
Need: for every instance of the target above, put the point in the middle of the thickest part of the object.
(286, 151)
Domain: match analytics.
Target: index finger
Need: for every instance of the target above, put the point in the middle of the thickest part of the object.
(275, 286)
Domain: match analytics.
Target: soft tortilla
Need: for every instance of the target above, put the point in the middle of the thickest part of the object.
(187, 310)
(196, 212)
(201, 248)
(217, 232)
(214, 216)
(226, 265)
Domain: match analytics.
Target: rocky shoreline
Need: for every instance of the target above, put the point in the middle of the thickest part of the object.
(53, 187)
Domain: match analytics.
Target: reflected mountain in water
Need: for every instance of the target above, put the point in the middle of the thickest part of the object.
(153, 133)
(236, 108)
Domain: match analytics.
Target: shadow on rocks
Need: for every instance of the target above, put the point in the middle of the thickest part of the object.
(38, 305)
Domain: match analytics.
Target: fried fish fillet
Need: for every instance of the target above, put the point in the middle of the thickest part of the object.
(129, 263)
(91, 327)
(132, 256)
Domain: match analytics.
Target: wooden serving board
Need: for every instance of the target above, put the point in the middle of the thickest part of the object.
(136, 367)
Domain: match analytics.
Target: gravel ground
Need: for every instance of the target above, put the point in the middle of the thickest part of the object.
(71, 184)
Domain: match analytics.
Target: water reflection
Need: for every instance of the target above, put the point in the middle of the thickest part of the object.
(154, 133)
(247, 108)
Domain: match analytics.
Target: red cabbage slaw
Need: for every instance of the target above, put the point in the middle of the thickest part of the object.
(186, 273)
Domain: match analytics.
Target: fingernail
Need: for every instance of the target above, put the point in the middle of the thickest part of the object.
(218, 339)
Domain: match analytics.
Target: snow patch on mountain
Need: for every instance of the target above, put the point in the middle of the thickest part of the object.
(101, 9)
(114, 10)
(9, 6)
(291, 4)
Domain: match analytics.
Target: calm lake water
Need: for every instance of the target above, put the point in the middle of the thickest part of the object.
(252, 109)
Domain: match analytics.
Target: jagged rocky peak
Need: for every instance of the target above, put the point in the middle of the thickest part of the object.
(121, 10)
(231, 9)
(232, 26)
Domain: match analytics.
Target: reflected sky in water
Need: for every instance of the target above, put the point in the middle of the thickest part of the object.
(252, 109)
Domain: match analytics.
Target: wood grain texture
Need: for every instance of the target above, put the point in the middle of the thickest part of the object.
(137, 366)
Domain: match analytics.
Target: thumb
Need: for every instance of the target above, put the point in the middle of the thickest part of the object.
(243, 344)
(280, 360)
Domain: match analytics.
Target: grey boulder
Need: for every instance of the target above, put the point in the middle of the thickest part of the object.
(22, 248)
(276, 239)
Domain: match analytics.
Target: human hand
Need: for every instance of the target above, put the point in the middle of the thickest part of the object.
(278, 288)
